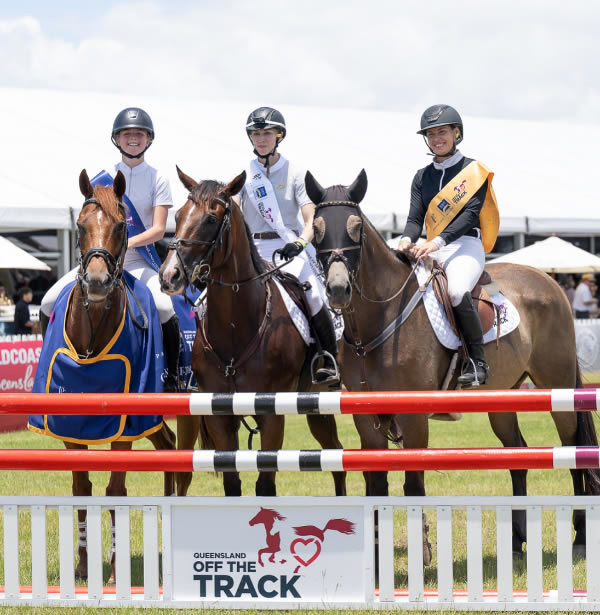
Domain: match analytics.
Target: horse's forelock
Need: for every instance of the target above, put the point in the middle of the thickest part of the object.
(108, 202)
(336, 193)
(206, 190)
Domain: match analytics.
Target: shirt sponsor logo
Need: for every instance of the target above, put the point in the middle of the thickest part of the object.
(443, 206)
(260, 192)
(460, 191)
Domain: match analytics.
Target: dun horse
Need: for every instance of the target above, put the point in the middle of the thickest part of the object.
(246, 340)
(94, 317)
(367, 281)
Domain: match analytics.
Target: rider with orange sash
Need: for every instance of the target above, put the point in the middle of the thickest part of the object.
(453, 197)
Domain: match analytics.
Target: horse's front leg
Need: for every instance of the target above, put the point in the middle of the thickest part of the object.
(188, 429)
(164, 440)
(372, 436)
(81, 486)
(221, 433)
(324, 430)
(271, 439)
(116, 487)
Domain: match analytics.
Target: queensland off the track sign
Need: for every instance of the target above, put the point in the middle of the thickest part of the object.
(270, 552)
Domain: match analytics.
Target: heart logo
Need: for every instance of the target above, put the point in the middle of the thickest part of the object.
(308, 554)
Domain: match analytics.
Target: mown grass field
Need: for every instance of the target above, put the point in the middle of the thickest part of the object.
(472, 431)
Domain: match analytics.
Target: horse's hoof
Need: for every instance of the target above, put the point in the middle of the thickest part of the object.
(446, 416)
(518, 556)
(80, 576)
(111, 581)
(578, 551)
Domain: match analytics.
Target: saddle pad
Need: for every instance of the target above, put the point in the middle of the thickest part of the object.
(133, 361)
(508, 314)
(296, 314)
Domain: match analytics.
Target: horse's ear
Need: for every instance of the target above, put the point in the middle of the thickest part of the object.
(85, 186)
(235, 185)
(358, 189)
(119, 185)
(316, 192)
(186, 180)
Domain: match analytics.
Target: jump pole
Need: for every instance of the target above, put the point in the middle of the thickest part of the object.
(328, 460)
(338, 402)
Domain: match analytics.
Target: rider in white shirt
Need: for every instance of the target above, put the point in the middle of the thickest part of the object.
(280, 216)
(150, 193)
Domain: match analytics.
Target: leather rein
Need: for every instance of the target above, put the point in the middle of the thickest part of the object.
(361, 349)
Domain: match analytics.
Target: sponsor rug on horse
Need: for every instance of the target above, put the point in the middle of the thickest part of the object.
(133, 361)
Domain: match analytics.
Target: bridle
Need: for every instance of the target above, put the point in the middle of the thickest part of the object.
(114, 265)
(337, 254)
(115, 272)
(200, 269)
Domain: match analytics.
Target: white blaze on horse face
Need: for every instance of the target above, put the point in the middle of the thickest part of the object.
(338, 287)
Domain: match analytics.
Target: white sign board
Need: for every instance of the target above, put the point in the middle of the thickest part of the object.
(277, 552)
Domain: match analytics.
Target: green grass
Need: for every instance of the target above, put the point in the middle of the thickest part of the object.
(472, 431)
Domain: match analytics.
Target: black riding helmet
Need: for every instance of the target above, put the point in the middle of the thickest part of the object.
(261, 119)
(441, 115)
(132, 117)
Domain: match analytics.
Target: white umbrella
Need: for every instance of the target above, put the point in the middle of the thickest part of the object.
(13, 257)
(553, 255)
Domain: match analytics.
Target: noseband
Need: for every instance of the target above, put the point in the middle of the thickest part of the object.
(337, 254)
(112, 264)
(200, 268)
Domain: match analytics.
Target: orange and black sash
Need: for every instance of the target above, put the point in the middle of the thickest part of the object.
(450, 200)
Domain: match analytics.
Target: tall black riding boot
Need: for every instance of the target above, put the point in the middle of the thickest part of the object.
(322, 326)
(475, 370)
(171, 336)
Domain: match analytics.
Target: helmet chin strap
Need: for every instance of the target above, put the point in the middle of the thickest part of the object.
(266, 157)
(131, 156)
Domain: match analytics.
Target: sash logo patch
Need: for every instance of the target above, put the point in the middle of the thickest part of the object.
(260, 192)
(460, 191)
(443, 205)
(265, 212)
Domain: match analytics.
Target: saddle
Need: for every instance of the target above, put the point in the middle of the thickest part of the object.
(295, 289)
(481, 293)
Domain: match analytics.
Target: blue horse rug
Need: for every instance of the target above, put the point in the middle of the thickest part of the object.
(133, 361)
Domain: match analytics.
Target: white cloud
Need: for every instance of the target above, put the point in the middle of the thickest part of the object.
(516, 59)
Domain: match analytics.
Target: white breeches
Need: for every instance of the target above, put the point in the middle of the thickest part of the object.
(141, 271)
(299, 266)
(463, 261)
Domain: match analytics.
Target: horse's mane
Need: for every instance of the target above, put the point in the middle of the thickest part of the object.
(108, 202)
(208, 189)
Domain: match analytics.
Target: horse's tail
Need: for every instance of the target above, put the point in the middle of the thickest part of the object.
(340, 525)
(586, 436)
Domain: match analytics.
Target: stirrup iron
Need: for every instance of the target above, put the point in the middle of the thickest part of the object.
(330, 379)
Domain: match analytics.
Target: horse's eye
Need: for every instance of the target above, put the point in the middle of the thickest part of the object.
(81, 229)
(210, 219)
(120, 228)
(319, 229)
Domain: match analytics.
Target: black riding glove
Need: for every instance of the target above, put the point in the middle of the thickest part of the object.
(291, 249)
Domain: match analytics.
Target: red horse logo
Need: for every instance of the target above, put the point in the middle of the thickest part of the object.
(304, 550)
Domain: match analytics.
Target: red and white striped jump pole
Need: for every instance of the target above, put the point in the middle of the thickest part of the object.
(329, 460)
(371, 402)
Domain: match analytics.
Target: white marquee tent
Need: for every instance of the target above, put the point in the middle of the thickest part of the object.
(49, 136)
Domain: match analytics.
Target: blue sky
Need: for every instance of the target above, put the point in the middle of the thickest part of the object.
(525, 60)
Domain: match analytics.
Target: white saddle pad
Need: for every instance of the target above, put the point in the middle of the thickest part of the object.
(296, 314)
(508, 315)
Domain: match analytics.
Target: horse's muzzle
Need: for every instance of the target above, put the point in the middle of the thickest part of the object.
(338, 286)
(172, 280)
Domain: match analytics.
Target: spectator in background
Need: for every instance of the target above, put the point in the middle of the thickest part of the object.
(584, 301)
(4, 298)
(23, 323)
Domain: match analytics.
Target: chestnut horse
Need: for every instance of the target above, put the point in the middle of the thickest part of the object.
(371, 285)
(94, 314)
(246, 340)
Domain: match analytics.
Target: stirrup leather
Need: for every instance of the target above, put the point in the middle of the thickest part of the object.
(328, 375)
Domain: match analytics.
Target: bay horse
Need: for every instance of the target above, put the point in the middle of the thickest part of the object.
(246, 340)
(372, 286)
(92, 320)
